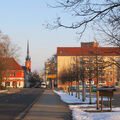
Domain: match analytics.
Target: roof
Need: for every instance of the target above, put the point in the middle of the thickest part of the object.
(88, 51)
(10, 64)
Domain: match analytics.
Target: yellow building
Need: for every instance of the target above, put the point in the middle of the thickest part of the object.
(68, 57)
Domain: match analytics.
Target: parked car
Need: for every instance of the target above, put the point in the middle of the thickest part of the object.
(74, 87)
(94, 88)
(43, 85)
(86, 86)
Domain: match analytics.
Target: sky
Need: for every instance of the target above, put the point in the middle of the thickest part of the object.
(24, 20)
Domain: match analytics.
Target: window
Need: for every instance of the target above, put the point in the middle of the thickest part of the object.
(7, 74)
(61, 52)
(7, 83)
(14, 74)
(80, 59)
(110, 79)
(87, 82)
(102, 74)
(118, 59)
(73, 58)
(110, 72)
(92, 82)
(80, 82)
(19, 83)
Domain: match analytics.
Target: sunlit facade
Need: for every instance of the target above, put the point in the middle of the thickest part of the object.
(67, 57)
(13, 75)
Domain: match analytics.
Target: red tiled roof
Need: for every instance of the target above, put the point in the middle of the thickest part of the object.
(10, 64)
(88, 51)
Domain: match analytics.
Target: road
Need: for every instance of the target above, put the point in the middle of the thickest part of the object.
(49, 107)
(11, 105)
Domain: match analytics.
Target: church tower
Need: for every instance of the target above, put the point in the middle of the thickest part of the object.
(28, 59)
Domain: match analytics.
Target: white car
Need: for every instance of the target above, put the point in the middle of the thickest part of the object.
(43, 85)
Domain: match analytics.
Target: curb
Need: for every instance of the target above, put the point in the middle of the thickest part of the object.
(3, 91)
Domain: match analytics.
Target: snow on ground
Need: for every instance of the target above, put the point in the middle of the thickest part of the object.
(78, 111)
(68, 98)
(72, 99)
(80, 114)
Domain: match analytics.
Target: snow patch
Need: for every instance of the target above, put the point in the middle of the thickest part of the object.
(79, 111)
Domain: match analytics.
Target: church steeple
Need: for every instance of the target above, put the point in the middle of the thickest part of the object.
(28, 59)
(28, 56)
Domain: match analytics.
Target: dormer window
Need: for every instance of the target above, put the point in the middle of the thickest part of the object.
(61, 52)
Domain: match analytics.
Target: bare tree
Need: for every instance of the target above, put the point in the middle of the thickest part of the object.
(51, 69)
(7, 50)
(90, 73)
(63, 78)
(111, 28)
(82, 76)
(72, 78)
(85, 13)
(77, 79)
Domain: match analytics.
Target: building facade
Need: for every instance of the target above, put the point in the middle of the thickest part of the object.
(105, 58)
(13, 75)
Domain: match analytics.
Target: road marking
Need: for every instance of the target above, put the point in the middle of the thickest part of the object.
(22, 115)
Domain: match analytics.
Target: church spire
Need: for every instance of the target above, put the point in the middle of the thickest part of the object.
(28, 56)
(28, 59)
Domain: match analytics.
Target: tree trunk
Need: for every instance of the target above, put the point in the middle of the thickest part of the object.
(78, 91)
(71, 89)
(0, 80)
(119, 83)
(97, 96)
(90, 86)
(83, 91)
(66, 88)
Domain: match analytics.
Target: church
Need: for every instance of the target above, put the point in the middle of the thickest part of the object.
(27, 68)
(14, 75)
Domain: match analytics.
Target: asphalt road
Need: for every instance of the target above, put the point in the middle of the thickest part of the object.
(49, 107)
(11, 105)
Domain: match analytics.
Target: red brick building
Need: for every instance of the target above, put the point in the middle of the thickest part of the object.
(13, 74)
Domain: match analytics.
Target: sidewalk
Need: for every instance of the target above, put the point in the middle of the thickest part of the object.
(49, 107)
(3, 93)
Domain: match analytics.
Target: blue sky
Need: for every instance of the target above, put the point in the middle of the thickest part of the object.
(23, 20)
